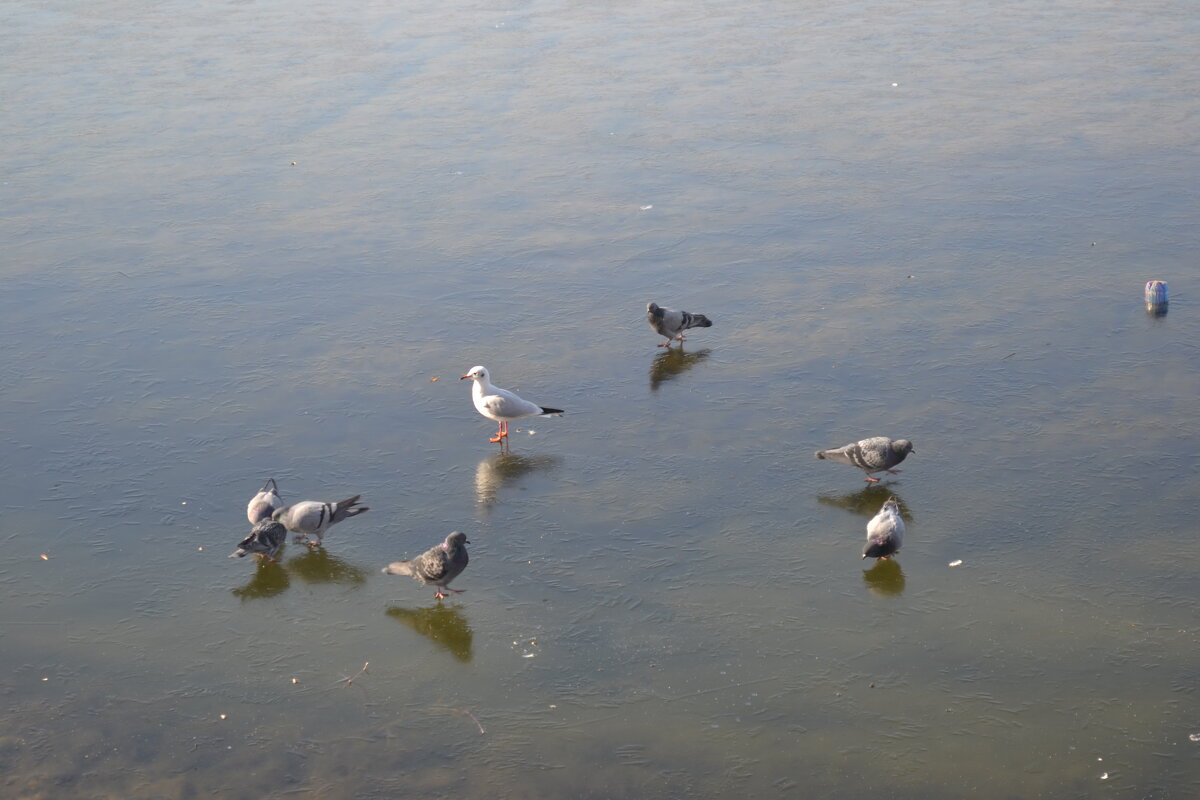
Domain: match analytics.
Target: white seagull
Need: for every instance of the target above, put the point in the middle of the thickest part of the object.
(501, 404)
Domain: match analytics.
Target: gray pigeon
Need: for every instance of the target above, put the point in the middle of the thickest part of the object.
(313, 518)
(877, 454)
(438, 565)
(265, 541)
(671, 323)
(885, 531)
(265, 503)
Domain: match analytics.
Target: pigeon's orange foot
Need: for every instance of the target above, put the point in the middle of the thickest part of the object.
(438, 595)
(893, 471)
(665, 344)
(872, 480)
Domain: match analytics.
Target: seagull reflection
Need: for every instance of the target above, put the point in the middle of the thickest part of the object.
(317, 565)
(866, 501)
(443, 625)
(505, 469)
(885, 578)
(269, 579)
(672, 362)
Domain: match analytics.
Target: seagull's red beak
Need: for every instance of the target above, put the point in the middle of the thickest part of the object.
(464, 377)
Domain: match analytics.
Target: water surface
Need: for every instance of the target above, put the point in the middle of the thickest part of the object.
(244, 239)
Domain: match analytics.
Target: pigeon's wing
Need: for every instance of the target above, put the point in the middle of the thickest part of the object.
(306, 516)
(875, 453)
(504, 403)
(671, 323)
(433, 565)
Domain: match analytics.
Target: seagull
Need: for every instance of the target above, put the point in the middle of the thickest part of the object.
(671, 323)
(313, 518)
(438, 565)
(877, 454)
(265, 503)
(885, 531)
(265, 541)
(501, 404)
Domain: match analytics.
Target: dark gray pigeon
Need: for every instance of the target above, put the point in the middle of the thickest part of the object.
(671, 323)
(265, 541)
(313, 518)
(265, 503)
(438, 565)
(885, 531)
(877, 454)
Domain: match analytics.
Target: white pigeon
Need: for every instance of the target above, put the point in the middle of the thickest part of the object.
(313, 518)
(265, 503)
(885, 531)
(502, 405)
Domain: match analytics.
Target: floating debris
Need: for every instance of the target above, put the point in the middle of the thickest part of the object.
(433, 380)
(955, 563)
(222, 716)
(647, 208)
(45, 557)
(1195, 737)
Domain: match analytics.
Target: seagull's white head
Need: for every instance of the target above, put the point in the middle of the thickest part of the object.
(477, 374)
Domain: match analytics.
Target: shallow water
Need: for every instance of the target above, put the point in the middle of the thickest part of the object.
(928, 221)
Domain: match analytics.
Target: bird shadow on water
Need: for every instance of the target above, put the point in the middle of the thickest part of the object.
(317, 565)
(673, 362)
(443, 625)
(885, 578)
(867, 501)
(269, 579)
(505, 469)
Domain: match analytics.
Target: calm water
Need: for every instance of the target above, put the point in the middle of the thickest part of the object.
(925, 220)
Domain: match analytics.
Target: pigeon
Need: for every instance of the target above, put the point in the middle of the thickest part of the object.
(438, 565)
(671, 323)
(885, 531)
(877, 454)
(265, 541)
(313, 518)
(501, 404)
(265, 503)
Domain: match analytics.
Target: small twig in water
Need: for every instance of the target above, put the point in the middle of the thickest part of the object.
(477, 723)
(1010, 355)
(351, 680)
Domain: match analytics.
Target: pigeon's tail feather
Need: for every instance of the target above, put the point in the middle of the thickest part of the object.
(346, 508)
(820, 454)
(398, 568)
(695, 321)
(552, 412)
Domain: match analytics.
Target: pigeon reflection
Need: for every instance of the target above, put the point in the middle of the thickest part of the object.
(443, 625)
(673, 362)
(317, 565)
(268, 580)
(866, 501)
(505, 469)
(885, 578)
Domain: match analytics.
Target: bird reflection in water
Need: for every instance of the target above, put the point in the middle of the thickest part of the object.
(443, 625)
(673, 362)
(885, 578)
(318, 565)
(268, 580)
(505, 469)
(866, 501)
